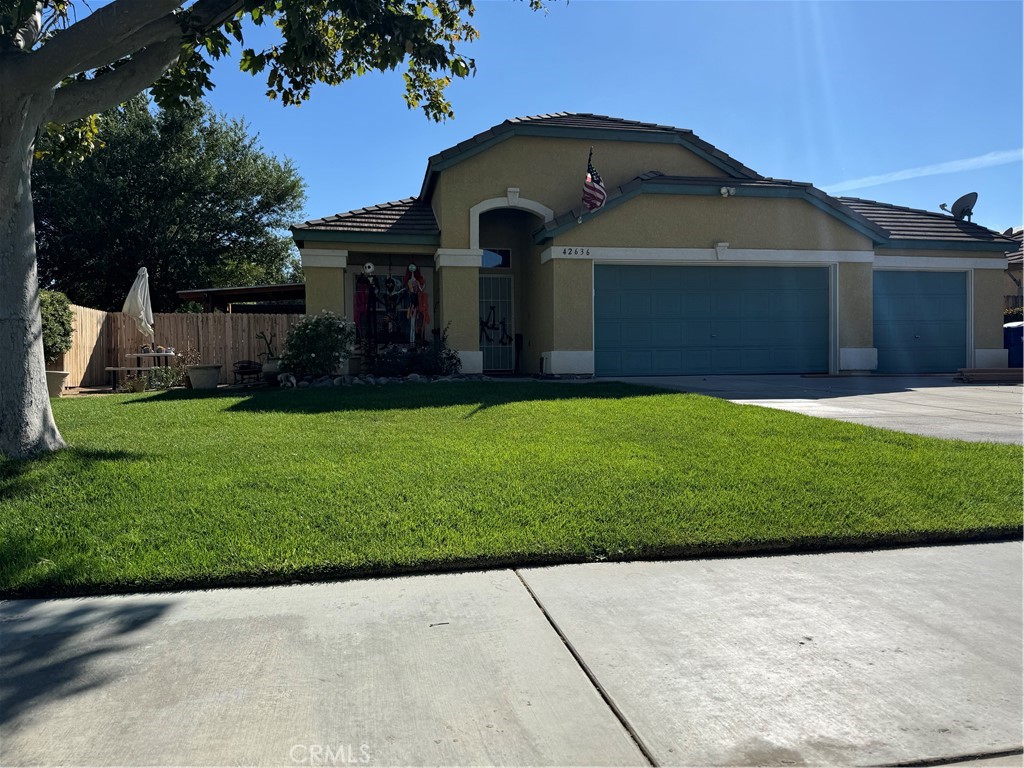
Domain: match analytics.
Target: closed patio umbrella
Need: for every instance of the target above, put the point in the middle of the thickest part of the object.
(138, 304)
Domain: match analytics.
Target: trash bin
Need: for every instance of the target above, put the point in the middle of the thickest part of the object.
(1013, 340)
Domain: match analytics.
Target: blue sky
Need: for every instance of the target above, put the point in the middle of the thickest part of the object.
(912, 103)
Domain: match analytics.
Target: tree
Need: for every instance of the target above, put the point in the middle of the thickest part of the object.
(61, 63)
(183, 192)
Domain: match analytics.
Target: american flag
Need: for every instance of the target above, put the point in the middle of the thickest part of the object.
(594, 195)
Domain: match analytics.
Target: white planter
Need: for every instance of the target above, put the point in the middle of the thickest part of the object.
(203, 376)
(55, 382)
(271, 367)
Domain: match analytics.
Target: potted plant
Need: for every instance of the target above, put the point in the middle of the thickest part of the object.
(200, 376)
(271, 361)
(56, 315)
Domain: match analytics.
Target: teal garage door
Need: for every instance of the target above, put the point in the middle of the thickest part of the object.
(920, 321)
(671, 320)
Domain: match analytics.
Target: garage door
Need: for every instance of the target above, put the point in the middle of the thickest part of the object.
(920, 321)
(663, 320)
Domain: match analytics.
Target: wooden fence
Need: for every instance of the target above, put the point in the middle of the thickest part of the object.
(89, 344)
(104, 339)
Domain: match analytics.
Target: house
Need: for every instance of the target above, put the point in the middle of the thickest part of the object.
(696, 264)
(1014, 292)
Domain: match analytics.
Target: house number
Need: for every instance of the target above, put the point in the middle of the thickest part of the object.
(575, 251)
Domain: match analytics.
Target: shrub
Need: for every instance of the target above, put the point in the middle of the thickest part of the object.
(1014, 315)
(317, 345)
(57, 328)
(429, 360)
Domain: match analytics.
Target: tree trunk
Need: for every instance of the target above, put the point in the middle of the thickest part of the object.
(26, 421)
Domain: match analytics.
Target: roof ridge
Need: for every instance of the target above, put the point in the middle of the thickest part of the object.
(940, 214)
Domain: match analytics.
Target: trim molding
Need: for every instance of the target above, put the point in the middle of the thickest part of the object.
(938, 262)
(458, 257)
(472, 362)
(722, 253)
(562, 361)
(858, 358)
(323, 257)
(511, 200)
(382, 238)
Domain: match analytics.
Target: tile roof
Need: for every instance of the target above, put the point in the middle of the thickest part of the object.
(1017, 256)
(400, 217)
(912, 224)
(799, 189)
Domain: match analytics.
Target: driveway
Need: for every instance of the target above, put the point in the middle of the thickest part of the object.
(866, 658)
(925, 405)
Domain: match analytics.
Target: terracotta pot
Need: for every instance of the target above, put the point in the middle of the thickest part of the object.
(203, 376)
(55, 382)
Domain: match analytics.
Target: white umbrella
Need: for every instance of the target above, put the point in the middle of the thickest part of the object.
(138, 304)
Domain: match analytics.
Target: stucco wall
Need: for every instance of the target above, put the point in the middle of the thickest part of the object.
(549, 171)
(855, 305)
(690, 221)
(988, 308)
(458, 300)
(573, 286)
(325, 289)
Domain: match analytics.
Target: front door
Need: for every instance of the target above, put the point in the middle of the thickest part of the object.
(497, 337)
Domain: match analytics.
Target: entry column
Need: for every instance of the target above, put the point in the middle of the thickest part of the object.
(458, 308)
(323, 270)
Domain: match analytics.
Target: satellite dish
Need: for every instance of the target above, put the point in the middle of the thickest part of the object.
(963, 208)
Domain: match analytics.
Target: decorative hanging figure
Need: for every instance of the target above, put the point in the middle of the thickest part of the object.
(417, 303)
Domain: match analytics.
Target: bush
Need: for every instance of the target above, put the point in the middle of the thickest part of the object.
(57, 328)
(1014, 315)
(429, 360)
(317, 345)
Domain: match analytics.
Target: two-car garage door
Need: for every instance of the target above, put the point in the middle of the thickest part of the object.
(664, 320)
(678, 320)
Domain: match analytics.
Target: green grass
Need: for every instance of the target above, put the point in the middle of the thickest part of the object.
(184, 489)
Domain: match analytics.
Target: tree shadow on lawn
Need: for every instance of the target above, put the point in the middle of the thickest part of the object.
(389, 397)
(19, 478)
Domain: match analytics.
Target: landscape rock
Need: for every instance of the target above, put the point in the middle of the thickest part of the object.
(339, 381)
(414, 377)
(303, 384)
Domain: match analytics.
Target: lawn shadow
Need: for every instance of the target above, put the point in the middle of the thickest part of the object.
(389, 397)
(50, 649)
(20, 477)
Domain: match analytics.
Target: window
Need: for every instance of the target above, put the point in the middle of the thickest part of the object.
(496, 258)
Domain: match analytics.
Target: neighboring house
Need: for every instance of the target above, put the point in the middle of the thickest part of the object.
(695, 265)
(1014, 292)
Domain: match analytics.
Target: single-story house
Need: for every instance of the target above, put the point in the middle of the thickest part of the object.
(694, 264)
(1014, 296)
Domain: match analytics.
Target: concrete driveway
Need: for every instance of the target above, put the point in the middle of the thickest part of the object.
(867, 658)
(934, 406)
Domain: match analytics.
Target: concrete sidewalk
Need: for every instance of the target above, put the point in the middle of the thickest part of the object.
(847, 658)
(934, 406)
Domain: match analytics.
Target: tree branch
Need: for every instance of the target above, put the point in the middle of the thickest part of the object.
(30, 31)
(162, 29)
(206, 15)
(105, 27)
(87, 97)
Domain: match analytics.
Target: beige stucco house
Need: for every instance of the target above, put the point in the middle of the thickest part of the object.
(696, 264)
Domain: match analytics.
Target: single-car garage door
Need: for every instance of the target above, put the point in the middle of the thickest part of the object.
(665, 320)
(920, 321)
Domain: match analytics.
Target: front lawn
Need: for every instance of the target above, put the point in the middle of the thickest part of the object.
(182, 488)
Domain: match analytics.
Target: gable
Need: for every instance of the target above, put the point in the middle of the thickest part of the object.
(550, 171)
